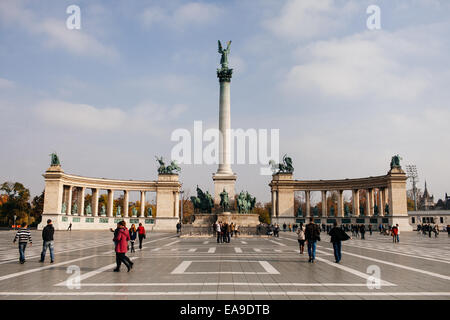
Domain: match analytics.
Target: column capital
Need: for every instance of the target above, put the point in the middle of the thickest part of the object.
(224, 75)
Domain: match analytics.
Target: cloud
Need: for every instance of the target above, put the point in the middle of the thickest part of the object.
(193, 13)
(6, 84)
(371, 64)
(307, 19)
(146, 117)
(55, 32)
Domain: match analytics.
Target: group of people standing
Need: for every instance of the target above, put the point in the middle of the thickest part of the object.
(428, 229)
(225, 231)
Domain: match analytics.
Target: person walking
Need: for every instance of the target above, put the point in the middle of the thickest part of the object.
(141, 234)
(337, 236)
(133, 235)
(284, 227)
(394, 231)
(312, 235)
(47, 236)
(229, 230)
(301, 237)
(24, 236)
(218, 231)
(398, 232)
(121, 238)
(436, 230)
(70, 227)
(370, 229)
(224, 229)
(178, 227)
(362, 229)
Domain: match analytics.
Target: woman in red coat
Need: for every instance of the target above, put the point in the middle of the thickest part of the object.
(121, 238)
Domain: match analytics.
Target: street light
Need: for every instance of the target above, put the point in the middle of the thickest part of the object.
(411, 171)
(15, 217)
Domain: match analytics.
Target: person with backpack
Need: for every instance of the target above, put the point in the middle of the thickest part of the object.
(312, 235)
(301, 237)
(24, 236)
(47, 236)
(337, 236)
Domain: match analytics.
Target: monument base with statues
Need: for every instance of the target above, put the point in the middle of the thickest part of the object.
(239, 219)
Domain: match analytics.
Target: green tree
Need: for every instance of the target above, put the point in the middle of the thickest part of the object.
(17, 203)
(37, 207)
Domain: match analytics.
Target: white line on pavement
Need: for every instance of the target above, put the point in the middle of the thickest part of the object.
(243, 242)
(433, 274)
(92, 273)
(171, 243)
(212, 250)
(255, 284)
(350, 270)
(205, 242)
(17, 274)
(182, 267)
(238, 250)
(257, 250)
(278, 243)
(233, 293)
(192, 250)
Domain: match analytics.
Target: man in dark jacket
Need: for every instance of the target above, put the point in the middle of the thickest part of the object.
(47, 236)
(362, 229)
(337, 235)
(312, 235)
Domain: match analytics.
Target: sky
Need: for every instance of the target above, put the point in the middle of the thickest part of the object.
(107, 97)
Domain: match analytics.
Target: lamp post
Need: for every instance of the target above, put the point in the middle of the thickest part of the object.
(15, 217)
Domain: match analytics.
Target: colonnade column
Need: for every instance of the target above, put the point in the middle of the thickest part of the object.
(110, 203)
(340, 207)
(274, 204)
(94, 202)
(125, 203)
(81, 200)
(69, 202)
(176, 211)
(324, 204)
(142, 204)
(367, 209)
(308, 203)
(371, 203)
(355, 200)
(383, 193)
(380, 202)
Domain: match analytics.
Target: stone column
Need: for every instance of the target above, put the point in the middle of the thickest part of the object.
(224, 126)
(383, 201)
(274, 204)
(224, 179)
(125, 203)
(176, 211)
(81, 201)
(355, 199)
(324, 204)
(69, 201)
(371, 202)
(340, 207)
(380, 202)
(142, 213)
(367, 209)
(109, 210)
(308, 203)
(94, 202)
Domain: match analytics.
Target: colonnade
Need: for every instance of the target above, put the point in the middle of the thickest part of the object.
(386, 192)
(64, 191)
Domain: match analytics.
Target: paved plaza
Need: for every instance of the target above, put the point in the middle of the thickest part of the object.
(169, 267)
